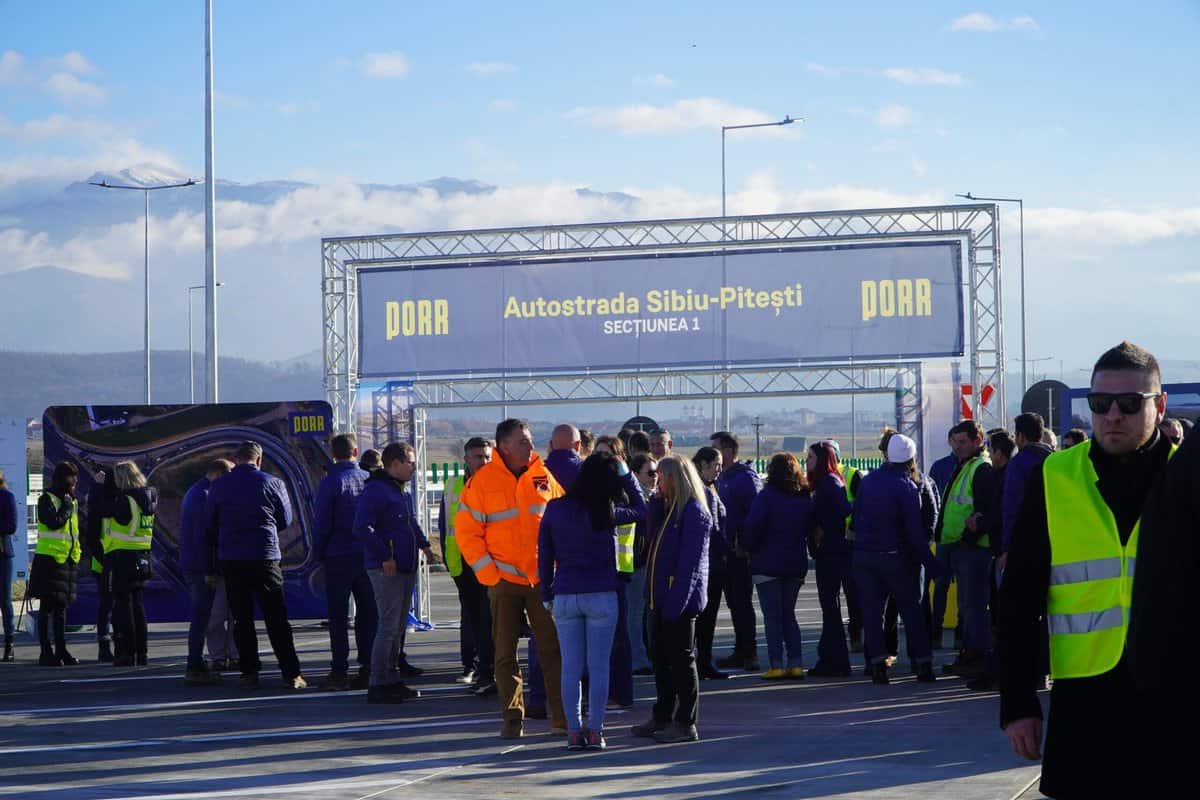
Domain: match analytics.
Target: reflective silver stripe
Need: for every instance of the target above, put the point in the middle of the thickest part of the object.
(625, 549)
(510, 569)
(500, 516)
(481, 563)
(478, 516)
(540, 508)
(1097, 569)
(129, 537)
(62, 537)
(1088, 622)
(1132, 561)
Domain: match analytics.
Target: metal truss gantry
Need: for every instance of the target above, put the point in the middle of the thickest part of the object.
(977, 224)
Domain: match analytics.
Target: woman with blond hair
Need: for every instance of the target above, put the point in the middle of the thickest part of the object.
(129, 520)
(676, 593)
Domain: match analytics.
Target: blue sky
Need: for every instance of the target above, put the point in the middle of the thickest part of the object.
(1087, 110)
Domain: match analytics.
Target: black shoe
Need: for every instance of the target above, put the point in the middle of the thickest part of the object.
(879, 675)
(750, 664)
(124, 661)
(676, 733)
(142, 659)
(336, 681)
(106, 654)
(711, 673)
(406, 692)
(485, 688)
(8, 650)
(202, 677)
(65, 658)
(383, 694)
(535, 712)
(825, 671)
(983, 683)
(362, 680)
(408, 670)
(48, 658)
(731, 661)
(925, 673)
(249, 680)
(648, 728)
(643, 671)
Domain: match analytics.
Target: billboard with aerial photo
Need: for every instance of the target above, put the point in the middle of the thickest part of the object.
(774, 306)
(172, 444)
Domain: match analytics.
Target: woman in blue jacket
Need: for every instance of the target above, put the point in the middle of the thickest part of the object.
(578, 570)
(890, 546)
(676, 591)
(774, 535)
(831, 552)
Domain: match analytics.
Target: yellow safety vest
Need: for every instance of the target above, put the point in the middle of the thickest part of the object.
(450, 502)
(60, 543)
(625, 535)
(1091, 573)
(105, 547)
(960, 504)
(848, 473)
(136, 535)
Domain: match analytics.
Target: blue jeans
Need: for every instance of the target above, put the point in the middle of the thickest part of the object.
(777, 597)
(635, 620)
(202, 599)
(881, 574)
(345, 576)
(970, 566)
(833, 571)
(586, 624)
(7, 570)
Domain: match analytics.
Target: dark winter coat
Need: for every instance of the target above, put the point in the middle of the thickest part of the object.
(677, 571)
(50, 581)
(887, 517)
(333, 512)
(564, 465)
(247, 508)
(738, 484)
(718, 543)
(776, 533)
(831, 507)
(386, 524)
(8, 522)
(195, 553)
(1016, 476)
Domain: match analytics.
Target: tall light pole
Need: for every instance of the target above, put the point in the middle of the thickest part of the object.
(1021, 206)
(787, 120)
(146, 190)
(191, 358)
(210, 217)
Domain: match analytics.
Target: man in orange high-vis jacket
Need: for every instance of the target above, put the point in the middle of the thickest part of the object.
(497, 530)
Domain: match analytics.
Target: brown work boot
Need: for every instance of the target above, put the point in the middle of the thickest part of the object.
(513, 729)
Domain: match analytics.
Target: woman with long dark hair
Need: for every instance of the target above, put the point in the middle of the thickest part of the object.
(890, 546)
(55, 562)
(775, 533)
(831, 552)
(677, 591)
(578, 570)
(708, 464)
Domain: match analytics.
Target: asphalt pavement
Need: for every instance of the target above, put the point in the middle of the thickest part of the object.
(95, 731)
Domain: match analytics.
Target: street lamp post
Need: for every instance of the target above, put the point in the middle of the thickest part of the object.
(191, 358)
(146, 190)
(1021, 206)
(787, 120)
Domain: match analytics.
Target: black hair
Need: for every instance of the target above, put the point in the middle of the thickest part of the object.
(1030, 425)
(1129, 357)
(1002, 442)
(726, 440)
(397, 451)
(705, 455)
(63, 472)
(343, 446)
(476, 442)
(886, 438)
(1076, 435)
(968, 427)
(640, 460)
(596, 488)
(586, 438)
(369, 460)
(508, 427)
(638, 441)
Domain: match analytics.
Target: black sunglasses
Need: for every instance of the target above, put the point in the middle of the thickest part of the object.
(650, 473)
(1127, 402)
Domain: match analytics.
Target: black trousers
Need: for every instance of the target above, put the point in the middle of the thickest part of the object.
(706, 623)
(739, 595)
(675, 679)
(128, 606)
(245, 582)
(477, 649)
(51, 613)
(104, 605)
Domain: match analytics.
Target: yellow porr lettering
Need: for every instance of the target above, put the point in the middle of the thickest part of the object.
(418, 318)
(902, 297)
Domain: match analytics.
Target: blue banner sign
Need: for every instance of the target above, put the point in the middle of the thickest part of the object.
(747, 306)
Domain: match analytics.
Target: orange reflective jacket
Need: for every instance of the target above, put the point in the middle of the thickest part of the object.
(498, 519)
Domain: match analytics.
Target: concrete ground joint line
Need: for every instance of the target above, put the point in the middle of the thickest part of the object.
(433, 775)
(1027, 786)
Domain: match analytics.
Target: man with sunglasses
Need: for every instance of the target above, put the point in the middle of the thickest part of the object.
(1072, 557)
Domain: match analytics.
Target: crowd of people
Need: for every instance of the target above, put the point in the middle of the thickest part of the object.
(614, 553)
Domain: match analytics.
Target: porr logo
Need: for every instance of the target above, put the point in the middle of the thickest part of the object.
(418, 318)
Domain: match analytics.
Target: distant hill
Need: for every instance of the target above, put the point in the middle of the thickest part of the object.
(33, 381)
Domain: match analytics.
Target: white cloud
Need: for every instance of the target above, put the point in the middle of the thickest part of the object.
(919, 167)
(70, 89)
(697, 113)
(56, 126)
(12, 67)
(923, 76)
(502, 105)
(73, 62)
(1184, 278)
(1112, 227)
(893, 116)
(656, 81)
(485, 68)
(980, 22)
(385, 65)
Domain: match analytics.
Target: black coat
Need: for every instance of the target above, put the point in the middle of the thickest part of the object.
(50, 581)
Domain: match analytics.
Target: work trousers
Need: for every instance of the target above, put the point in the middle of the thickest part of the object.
(128, 604)
(346, 577)
(739, 595)
(971, 566)
(245, 582)
(475, 628)
(509, 601)
(676, 682)
(393, 598)
(881, 574)
(104, 605)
